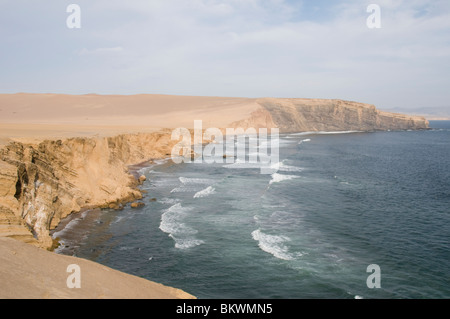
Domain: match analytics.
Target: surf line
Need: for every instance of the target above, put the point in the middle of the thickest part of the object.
(223, 149)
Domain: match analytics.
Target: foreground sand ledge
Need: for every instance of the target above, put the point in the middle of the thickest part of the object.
(60, 154)
(33, 273)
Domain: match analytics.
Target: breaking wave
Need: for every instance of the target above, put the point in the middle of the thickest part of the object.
(277, 178)
(206, 192)
(273, 245)
(172, 223)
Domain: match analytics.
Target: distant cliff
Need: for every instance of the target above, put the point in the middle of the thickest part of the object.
(304, 115)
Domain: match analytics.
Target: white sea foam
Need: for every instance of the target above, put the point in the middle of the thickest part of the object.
(338, 132)
(171, 219)
(172, 223)
(189, 180)
(281, 166)
(304, 133)
(304, 141)
(183, 189)
(119, 219)
(206, 192)
(273, 244)
(171, 201)
(149, 168)
(322, 133)
(70, 226)
(186, 243)
(277, 178)
(192, 184)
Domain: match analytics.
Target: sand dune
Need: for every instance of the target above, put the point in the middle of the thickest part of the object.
(52, 115)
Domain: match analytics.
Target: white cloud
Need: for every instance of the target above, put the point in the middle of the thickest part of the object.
(261, 48)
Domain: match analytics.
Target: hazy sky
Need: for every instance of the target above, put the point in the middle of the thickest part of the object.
(245, 48)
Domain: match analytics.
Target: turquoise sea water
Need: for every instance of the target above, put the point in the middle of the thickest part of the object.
(338, 203)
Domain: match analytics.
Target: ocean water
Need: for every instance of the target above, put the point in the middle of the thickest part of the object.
(337, 204)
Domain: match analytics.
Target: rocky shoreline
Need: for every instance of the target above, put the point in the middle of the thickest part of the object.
(44, 183)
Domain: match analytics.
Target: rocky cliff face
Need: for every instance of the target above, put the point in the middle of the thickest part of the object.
(41, 184)
(304, 115)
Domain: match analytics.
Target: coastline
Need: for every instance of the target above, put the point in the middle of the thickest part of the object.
(61, 227)
(50, 171)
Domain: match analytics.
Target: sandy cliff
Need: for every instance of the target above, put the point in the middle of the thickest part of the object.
(304, 115)
(45, 182)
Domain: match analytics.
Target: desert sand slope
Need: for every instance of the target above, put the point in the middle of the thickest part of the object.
(132, 112)
(28, 272)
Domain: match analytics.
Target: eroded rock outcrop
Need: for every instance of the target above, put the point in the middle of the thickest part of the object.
(11, 224)
(41, 184)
